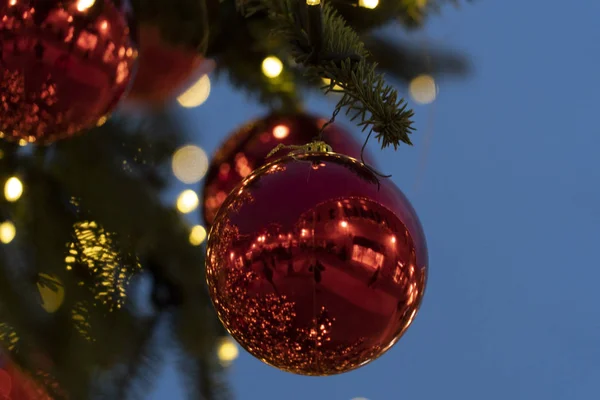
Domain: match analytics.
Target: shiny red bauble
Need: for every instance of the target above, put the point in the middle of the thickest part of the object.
(64, 66)
(165, 71)
(247, 149)
(315, 265)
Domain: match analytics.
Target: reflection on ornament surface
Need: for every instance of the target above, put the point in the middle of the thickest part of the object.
(247, 149)
(315, 265)
(62, 67)
(165, 70)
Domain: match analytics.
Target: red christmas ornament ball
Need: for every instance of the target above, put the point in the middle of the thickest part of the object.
(165, 70)
(247, 149)
(64, 66)
(15, 385)
(315, 265)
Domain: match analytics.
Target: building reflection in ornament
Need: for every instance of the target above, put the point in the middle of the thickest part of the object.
(316, 283)
(63, 67)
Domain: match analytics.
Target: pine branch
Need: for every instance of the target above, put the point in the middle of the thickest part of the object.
(343, 60)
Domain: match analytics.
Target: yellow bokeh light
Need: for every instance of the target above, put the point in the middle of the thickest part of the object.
(187, 201)
(52, 298)
(371, 4)
(197, 235)
(228, 351)
(190, 164)
(281, 132)
(327, 81)
(13, 189)
(313, 2)
(272, 67)
(197, 94)
(7, 232)
(83, 5)
(423, 89)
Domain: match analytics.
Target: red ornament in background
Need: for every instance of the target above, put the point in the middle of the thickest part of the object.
(316, 266)
(15, 385)
(165, 71)
(64, 66)
(247, 149)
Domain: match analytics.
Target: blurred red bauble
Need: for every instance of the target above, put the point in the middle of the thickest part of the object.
(165, 71)
(15, 385)
(64, 66)
(314, 265)
(247, 149)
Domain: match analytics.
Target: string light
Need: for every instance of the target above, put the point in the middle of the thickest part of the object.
(187, 201)
(281, 131)
(370, 4)
(228, 351)
(7, 232)
(190, 164)
(197, 94)
(327, 81)
(197, 235)
(83, 5)
(423, 89)
(13, 189)
(272, 67)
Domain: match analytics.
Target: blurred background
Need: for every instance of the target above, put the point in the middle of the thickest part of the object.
(503, 174)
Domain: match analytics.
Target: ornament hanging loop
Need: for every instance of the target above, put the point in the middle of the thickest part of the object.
(317, 146)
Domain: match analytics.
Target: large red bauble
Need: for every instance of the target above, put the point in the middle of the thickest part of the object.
(64, 65)
(316, 266)
(247, 149)
(165, 70)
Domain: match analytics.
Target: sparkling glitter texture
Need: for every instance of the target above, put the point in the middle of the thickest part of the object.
(64, 66)
(247, 149)
(316, 266)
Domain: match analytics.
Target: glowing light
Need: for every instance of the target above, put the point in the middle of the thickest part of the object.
(423, 89)
(83, 5)
(190, 164)
(102, 121)
(7, 232)
(344, 224)
(104, 26)
(197, 94)
(393, 239)
(52, 297)
(13, 189)
(313, 2)
(327, 81)
(23, 142)
(228, 351)
(272, 67)
(12, 2)
(187, 201)
(197, 235)
(281, 132)
(370, 4)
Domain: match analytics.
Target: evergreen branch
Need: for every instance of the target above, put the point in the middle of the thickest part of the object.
(343, 60)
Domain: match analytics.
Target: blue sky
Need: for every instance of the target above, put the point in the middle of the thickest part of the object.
(506, 179)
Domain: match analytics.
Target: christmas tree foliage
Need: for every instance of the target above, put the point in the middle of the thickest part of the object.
(98, 274)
